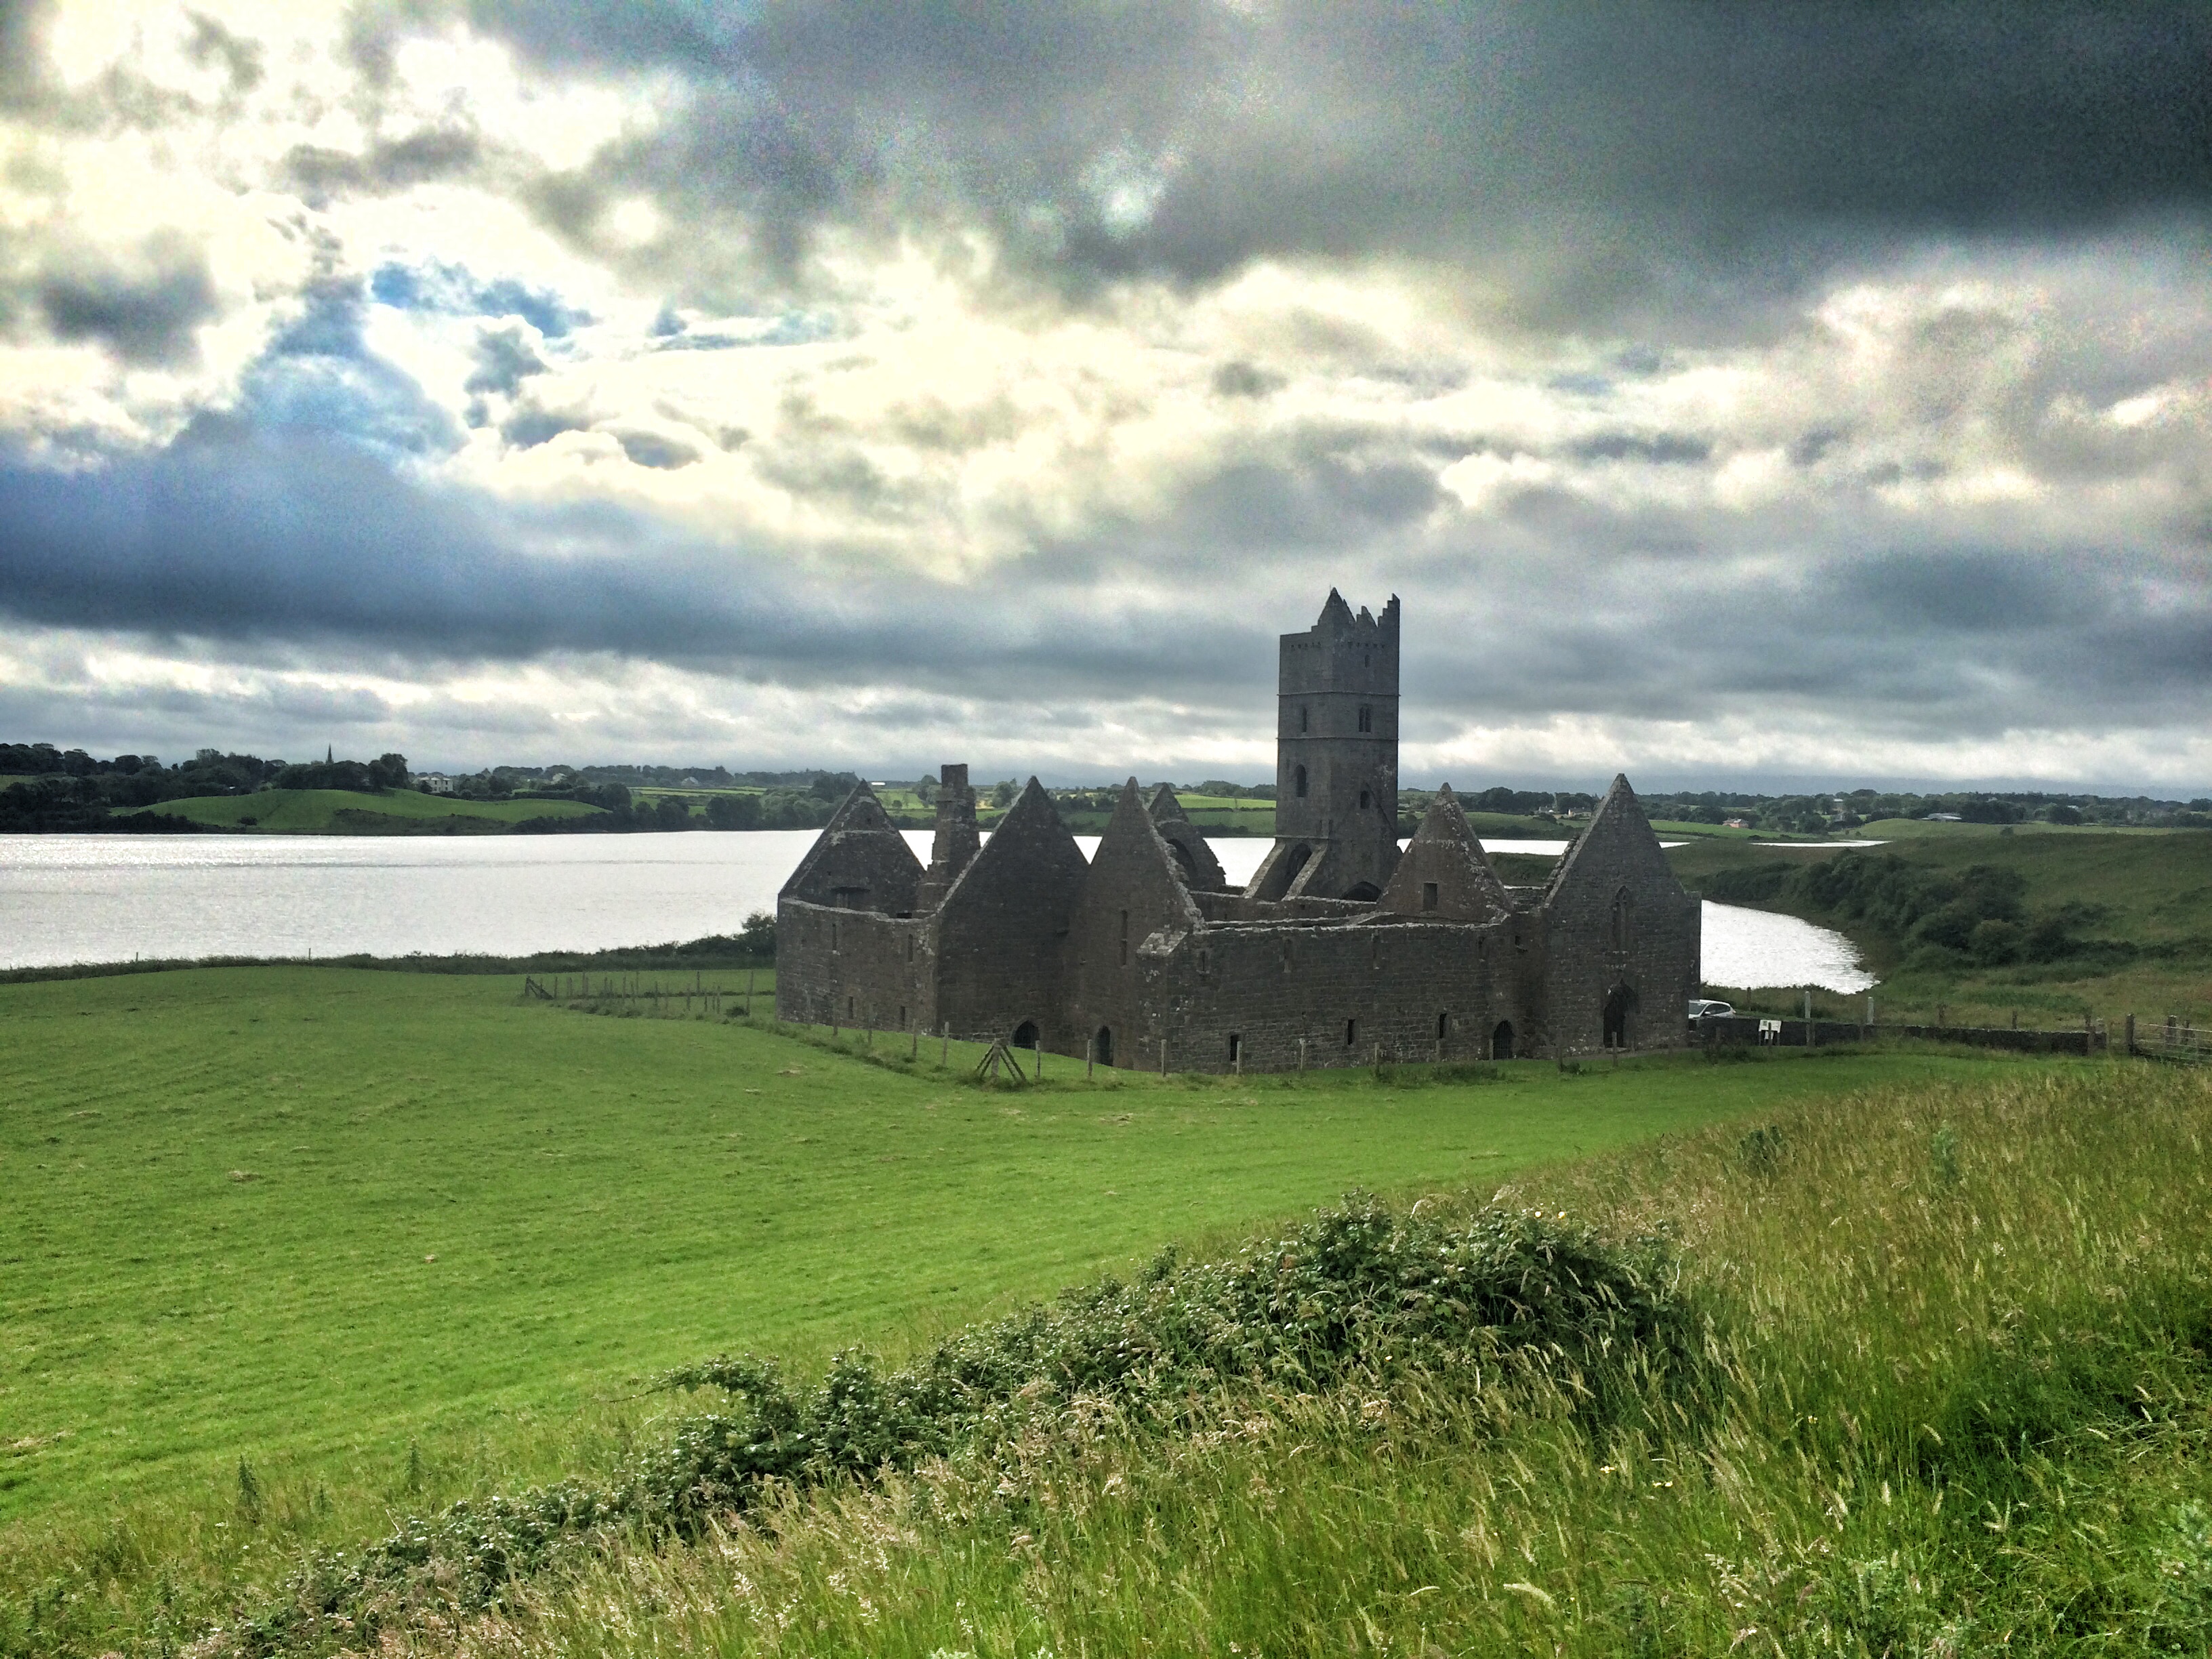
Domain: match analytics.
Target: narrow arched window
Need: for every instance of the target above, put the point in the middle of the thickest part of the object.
(1304, 720)
(1623, 904)
(1298, 782)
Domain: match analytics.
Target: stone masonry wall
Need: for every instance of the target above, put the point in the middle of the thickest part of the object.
(1271, 985)
(853, 968)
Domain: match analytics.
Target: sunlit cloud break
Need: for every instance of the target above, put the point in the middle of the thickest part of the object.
(871, 386)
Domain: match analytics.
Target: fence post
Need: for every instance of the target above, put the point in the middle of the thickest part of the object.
(1040, 1057)
(1090, 1057)
(2131, 1035)
(1301, 1054)
(945, 1047)
(1164, 1056)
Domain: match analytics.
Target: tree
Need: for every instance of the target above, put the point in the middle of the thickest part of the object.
(758, 936)
(733, 812)
(1003, 791)
(388, 772)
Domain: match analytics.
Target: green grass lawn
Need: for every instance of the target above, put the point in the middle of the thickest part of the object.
(308, 1216)
(309, 811)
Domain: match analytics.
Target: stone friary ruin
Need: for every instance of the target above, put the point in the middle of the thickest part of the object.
(1341, 945)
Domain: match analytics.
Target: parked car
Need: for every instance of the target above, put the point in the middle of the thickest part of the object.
(1706, 1008)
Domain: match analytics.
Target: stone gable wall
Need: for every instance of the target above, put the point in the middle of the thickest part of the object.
(1659, 960)
(1002, 933)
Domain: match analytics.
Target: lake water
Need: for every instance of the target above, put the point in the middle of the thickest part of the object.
(107, 898)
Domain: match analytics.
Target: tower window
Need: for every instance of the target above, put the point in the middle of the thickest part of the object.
(1305, 718)
(1428, 896)
(1351, 1032)
(1366, 718)
(1125, 938)
(1298, 782)
(1364, 799)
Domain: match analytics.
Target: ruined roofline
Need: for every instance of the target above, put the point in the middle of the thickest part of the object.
(853, 816)
(1336, 619)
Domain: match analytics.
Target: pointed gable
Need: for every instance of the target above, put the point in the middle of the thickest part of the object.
(1445, 874)
(1136, 870)
(1618, 849)
(1030, 853)
(1335, 613)
(1195, 864)
(859, 862)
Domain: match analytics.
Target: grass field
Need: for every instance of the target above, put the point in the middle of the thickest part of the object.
(228, 1187)
(2151, 890)
(1951, 1398)
(346, 811)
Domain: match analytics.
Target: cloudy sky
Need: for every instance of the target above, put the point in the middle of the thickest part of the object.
(1735, 394)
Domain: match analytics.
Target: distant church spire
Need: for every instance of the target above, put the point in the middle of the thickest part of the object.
(329, 752)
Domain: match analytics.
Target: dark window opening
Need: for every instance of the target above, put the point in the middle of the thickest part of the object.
(1366, 718)
(1235, 1048)
(1305, 720)
(1443, 1026)
(1351, 1032)
(833, 939)
(902, 1017)
(1102, 1045)
(848, 1008)
(1428, 896)
(1501, 1040)
(1367, 892)
(1025, 1035)
(1298, 782)
(1365, 799)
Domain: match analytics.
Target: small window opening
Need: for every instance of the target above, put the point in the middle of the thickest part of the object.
(1351, 1032)
(1365, 797)
(1443, 1026)
(833, 939)
(848, 1008)
(1428, 896)
(1235, 1048)
(1125, 938)
(1298, 782)
(1305, 720)
(1366, 718)
(902, 1017)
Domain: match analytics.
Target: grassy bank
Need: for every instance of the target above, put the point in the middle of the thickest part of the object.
(350, 812)
(1952, 1399)
(2091, 921)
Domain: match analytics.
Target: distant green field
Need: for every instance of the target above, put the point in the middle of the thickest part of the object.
(2150, 889)
(298, 811)
(311, 1216)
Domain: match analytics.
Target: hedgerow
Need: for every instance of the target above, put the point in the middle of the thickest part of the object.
(1357, 1289)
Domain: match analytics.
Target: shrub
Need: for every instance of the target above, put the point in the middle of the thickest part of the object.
(1357, 1290)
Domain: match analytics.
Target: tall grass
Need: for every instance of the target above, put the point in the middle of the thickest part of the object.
(1954, 1400)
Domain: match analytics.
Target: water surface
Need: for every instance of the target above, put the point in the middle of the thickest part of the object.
(107, 898)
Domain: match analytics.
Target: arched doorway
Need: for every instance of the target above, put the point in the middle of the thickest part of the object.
(1025, 1035)
(1186, 866)
(1365, 893)
(1619, 1016)
(1501, 1040)
(1102, 1047)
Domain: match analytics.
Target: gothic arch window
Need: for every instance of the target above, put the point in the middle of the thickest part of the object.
(1366, 718)
(1620, 927)
(1298, 782)
(1304, 720)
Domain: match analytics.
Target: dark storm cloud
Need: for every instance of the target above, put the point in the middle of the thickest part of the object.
(1591, 158)
(299, 537)
(387, 164)
(146, 310)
